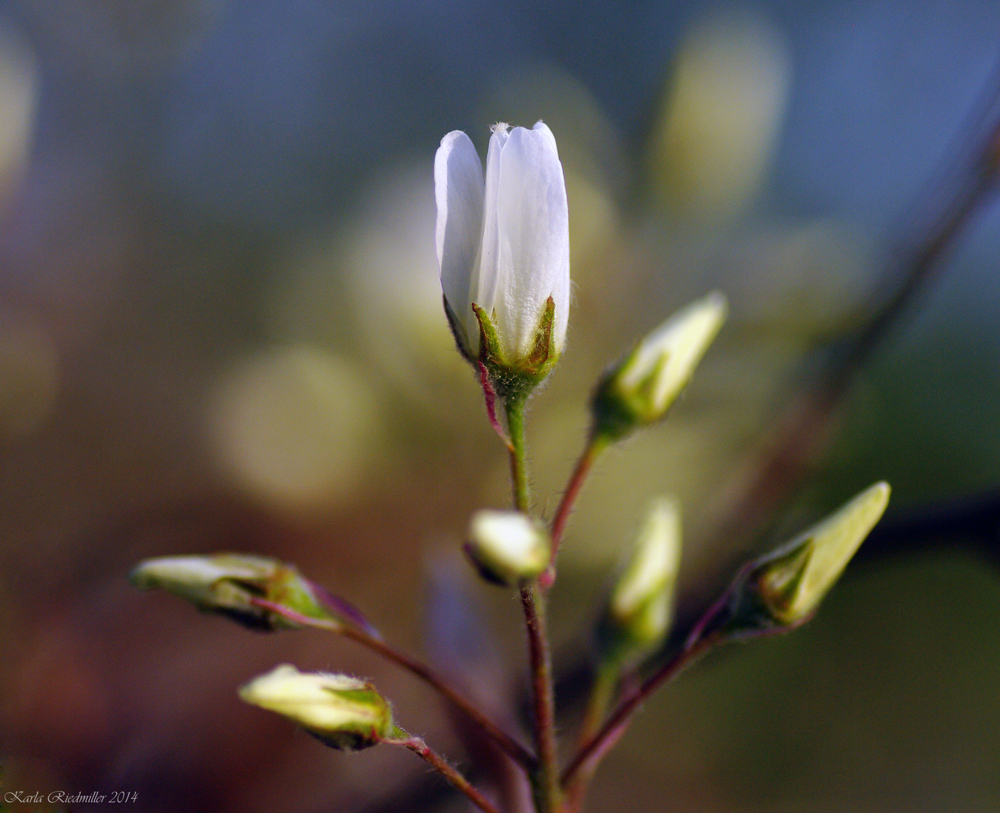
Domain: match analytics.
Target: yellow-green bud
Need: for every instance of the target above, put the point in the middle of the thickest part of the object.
(343, 712)
(640, 609)
(791, 581)
(640, 388)
(228, 583)
(508, 547)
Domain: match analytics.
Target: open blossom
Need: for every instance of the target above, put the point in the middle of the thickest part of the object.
(503, 241)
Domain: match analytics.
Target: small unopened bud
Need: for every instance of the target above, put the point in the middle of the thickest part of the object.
(344, 712)
(791, 581)
(783, 588)
(508, 547)
(640, 388)
(640, 610)
(228, 584)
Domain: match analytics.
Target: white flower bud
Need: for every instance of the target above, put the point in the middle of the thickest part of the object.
(343, 712)
(791, 581)
(643, 386)
(640, 609)
(508, 547)
(227, 584)
(503, 246)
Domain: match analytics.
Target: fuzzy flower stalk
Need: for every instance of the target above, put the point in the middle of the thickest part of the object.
(503, 250)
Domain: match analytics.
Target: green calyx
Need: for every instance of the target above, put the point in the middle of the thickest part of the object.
(629, 638)
(513, 379)
(617, 412)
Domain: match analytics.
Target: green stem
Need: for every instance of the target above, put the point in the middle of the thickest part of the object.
(448, 771)
(545, 777)
(518, 453)
(601, 694)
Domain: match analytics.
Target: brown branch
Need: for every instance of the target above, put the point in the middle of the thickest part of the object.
(806, 425)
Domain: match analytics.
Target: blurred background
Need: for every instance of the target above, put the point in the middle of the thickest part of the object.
(221, 329)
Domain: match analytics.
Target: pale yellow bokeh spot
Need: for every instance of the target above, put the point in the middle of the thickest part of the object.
(296, 426)
(18, 97)
(723, 110)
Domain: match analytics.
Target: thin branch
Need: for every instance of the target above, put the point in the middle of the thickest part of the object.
(510, 746)
(543, 700)
(447, 770)
(595, 445)
(591, 753)
(806, 425)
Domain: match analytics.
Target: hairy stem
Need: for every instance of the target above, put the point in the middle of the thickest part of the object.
(448, 771)
(596, 444)
(545, 778)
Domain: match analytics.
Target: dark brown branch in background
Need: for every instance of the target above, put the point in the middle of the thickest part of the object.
(806, 426)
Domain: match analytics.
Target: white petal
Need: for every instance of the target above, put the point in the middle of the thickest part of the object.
(533, 237)
(458, 189)
(485, 284)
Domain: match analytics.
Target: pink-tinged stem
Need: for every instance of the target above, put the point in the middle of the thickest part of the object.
(442, 766)
(595, 445)
(491, 405)
(508, 744)
(601, 694)
(546, 779)
(591, 754)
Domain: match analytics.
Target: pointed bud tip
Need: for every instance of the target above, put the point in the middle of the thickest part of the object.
(793, 580)
(640, 609)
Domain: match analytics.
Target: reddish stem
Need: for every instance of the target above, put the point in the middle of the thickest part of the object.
(510, 746)
(595, 445)
(448, 771)
(491, 406)
(590, 754)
